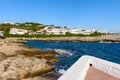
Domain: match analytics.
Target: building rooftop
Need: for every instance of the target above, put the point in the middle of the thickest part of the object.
(95, 74)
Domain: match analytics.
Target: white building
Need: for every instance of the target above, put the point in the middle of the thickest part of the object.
(1, 33)
(41, 31)
(89, 31)
(79, 31)
(52, 31)
(103, 31)
(63, 30)
(37, 32)
(7, 23)
(18, 31)
(75, 31)
(56, 31)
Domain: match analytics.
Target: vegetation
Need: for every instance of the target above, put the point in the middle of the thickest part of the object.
(96, 34)
(28, 26)
(35, 27)
(52, 35)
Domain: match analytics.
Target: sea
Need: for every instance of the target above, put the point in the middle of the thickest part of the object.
(74, 50)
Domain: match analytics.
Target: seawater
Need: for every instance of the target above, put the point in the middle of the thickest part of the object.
(107, 51)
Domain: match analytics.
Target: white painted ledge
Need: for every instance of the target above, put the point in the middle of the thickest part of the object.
(79, 69)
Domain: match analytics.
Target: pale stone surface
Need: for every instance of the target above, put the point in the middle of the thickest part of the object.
(18, 61)
(10, 74)
(2, 68)
(18, 67)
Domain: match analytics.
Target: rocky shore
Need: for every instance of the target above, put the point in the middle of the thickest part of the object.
(104, 38)
(19, 62)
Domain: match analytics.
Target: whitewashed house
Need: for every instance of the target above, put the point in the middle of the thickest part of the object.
(63, 30)
(103, 31)
(7, 23)
(1, 33)
(89, 31)
(46, 28)
(41, 31)
(75, 31)
(53, 31)
(79, 31)
(17, 31)
(56, 31)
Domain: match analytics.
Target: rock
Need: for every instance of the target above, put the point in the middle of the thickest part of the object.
(37, 68)
(13, 68)
(2, 56)
(2, 68)
(48, 76)
(10, 75)
(19, 67)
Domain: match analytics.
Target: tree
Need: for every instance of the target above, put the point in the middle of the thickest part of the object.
(65, 27)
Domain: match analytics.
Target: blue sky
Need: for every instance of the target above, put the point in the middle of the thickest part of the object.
(85, 14)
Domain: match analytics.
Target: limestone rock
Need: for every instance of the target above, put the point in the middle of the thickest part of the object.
(2, 68)
(19, 67)
(7, 75)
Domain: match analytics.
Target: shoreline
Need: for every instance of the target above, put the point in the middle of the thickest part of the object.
(14, 48)
(103, 38)
(22, 65)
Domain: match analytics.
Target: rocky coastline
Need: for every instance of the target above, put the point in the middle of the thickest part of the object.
(20, 62)
(104, 38)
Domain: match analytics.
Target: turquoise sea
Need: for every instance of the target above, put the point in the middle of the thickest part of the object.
(107, 51)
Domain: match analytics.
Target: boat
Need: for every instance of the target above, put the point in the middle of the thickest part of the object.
(90, 68)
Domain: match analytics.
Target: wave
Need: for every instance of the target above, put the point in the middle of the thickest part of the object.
(61, 71)
(108, 42)
(64, 52)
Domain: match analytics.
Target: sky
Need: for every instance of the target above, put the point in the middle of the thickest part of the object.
(83, 14)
